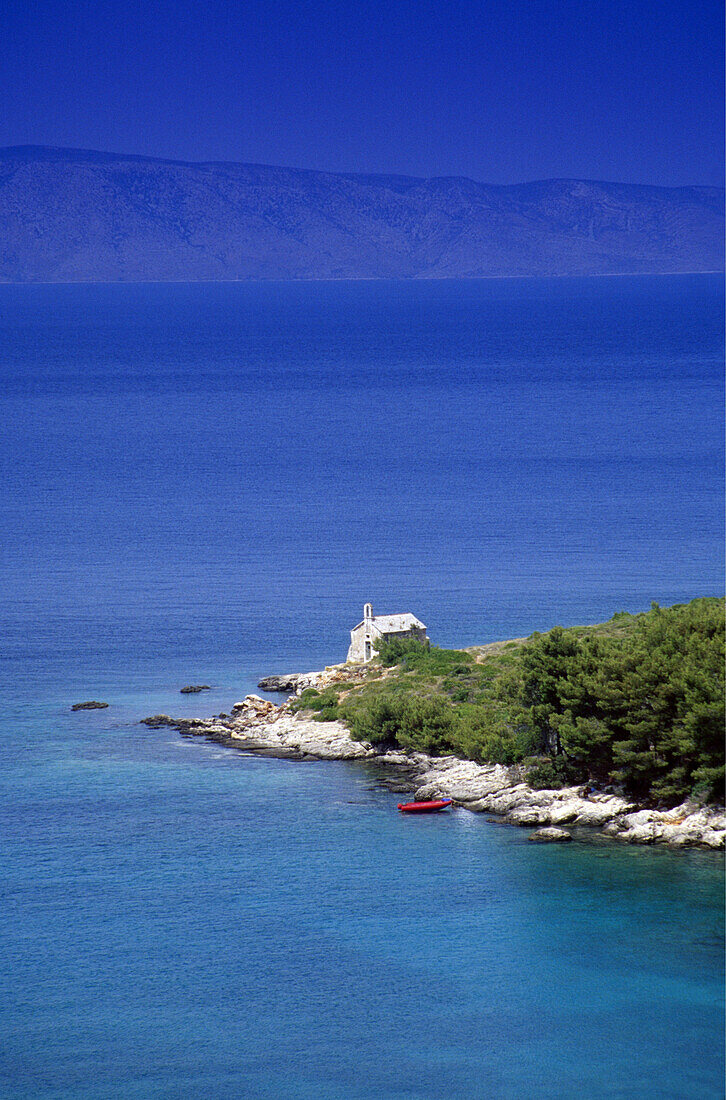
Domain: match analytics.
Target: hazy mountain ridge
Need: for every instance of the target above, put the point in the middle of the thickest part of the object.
(69, 215)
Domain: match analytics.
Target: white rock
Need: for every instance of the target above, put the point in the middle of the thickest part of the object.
(528, 815)
(563, 812)
(638, 819)
(595, 814)
(642, 834)
(552, 835)
(479, 806)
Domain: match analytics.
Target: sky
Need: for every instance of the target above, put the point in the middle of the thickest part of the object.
(501, 91)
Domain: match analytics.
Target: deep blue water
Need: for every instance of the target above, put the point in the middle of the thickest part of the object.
(205, 483)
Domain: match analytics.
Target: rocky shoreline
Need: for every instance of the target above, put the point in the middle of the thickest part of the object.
(260, 726)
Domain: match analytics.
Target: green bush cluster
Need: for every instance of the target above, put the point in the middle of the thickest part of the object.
(411, 655)
(408, 721)
(324, 704)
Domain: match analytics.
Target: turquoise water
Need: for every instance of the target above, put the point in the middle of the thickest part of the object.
(202, 484)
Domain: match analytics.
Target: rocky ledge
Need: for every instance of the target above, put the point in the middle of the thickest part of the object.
(292, 682)
(259, 726)
(296, 682)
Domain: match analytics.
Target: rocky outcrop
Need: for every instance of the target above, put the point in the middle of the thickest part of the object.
(260, 726)
(254, 710)
(257, 725)
(92, 704)
(492, 788)
(194, 689)
(550, 835)
(304, 736)
(686, 826)
(186, 725)
(295, 681)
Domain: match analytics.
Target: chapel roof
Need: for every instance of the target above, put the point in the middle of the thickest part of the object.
(394, 624)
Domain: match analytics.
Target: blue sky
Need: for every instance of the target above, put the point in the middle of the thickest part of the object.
(499, 91)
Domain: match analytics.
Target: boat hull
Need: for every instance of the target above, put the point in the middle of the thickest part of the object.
(432, 807)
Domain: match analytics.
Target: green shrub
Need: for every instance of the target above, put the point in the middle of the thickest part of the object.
(325, 702)
(426, 724)
(376, 720)
(327, 714)
(544, 773)
(305, 699)
(395, 651)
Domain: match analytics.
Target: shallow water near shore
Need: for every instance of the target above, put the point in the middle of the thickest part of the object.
(181, 917)
(203, 484)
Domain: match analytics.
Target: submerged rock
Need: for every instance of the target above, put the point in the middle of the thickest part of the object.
(184, 725)
(549, 835)
(193, 689)
(92, 704)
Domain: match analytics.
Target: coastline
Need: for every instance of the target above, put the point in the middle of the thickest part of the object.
(262, 727)
(356, 278)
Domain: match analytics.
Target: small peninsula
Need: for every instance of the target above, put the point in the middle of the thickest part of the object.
(616, 726)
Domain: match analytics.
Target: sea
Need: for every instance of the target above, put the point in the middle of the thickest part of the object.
(204, 484)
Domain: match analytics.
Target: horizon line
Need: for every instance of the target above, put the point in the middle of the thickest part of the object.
(356, 279)
(403, 176)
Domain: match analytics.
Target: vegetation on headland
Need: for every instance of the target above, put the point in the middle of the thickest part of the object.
(637, 702)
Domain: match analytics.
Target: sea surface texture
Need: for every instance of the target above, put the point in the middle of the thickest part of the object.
(204, 484)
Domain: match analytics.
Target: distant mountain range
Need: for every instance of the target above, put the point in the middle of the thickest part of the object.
(72, 215)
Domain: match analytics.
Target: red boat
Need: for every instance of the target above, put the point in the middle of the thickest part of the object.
(424, 807)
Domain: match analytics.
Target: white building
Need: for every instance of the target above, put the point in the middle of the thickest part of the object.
(374, 628)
